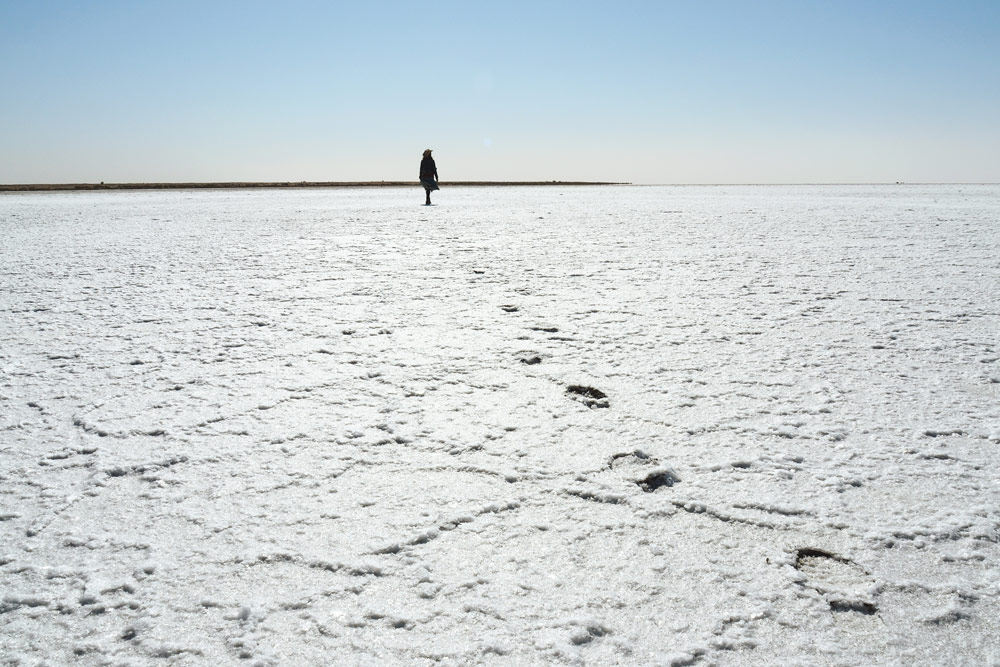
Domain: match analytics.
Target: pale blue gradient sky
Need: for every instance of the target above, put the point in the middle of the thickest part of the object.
(647, 92)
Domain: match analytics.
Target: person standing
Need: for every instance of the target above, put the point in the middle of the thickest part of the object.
(428, 175)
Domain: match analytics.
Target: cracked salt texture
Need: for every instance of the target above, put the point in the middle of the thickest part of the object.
(244, 427)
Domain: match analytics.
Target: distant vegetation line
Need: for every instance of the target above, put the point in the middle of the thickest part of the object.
(42, 187)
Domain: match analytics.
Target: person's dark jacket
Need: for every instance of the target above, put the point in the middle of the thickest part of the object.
(428, 170)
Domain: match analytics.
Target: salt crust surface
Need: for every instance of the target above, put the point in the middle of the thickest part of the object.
(336, 427)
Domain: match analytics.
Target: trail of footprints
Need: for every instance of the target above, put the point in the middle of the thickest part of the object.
(845, 585)
(643, 469)
(588, 396)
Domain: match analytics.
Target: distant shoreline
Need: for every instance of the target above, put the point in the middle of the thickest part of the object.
(60, 187)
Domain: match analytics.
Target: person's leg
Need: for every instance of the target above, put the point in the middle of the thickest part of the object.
(428, 202)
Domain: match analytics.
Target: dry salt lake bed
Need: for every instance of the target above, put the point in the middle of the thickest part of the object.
(559, 425)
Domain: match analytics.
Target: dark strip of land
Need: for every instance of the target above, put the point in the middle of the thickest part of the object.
(44, 187)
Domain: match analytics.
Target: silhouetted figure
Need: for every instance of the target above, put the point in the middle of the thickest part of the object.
(428, 175)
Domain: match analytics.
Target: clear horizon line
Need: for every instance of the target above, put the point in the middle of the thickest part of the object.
(281, 184)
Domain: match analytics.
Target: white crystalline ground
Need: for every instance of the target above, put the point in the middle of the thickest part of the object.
(299, 427)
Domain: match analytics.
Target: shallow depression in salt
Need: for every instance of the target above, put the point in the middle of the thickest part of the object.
(623, 425)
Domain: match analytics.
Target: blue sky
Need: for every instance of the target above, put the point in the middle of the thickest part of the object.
(645, 92)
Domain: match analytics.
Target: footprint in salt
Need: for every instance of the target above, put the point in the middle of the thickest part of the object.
(644, 470)
(845, 584)
(589, 396)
